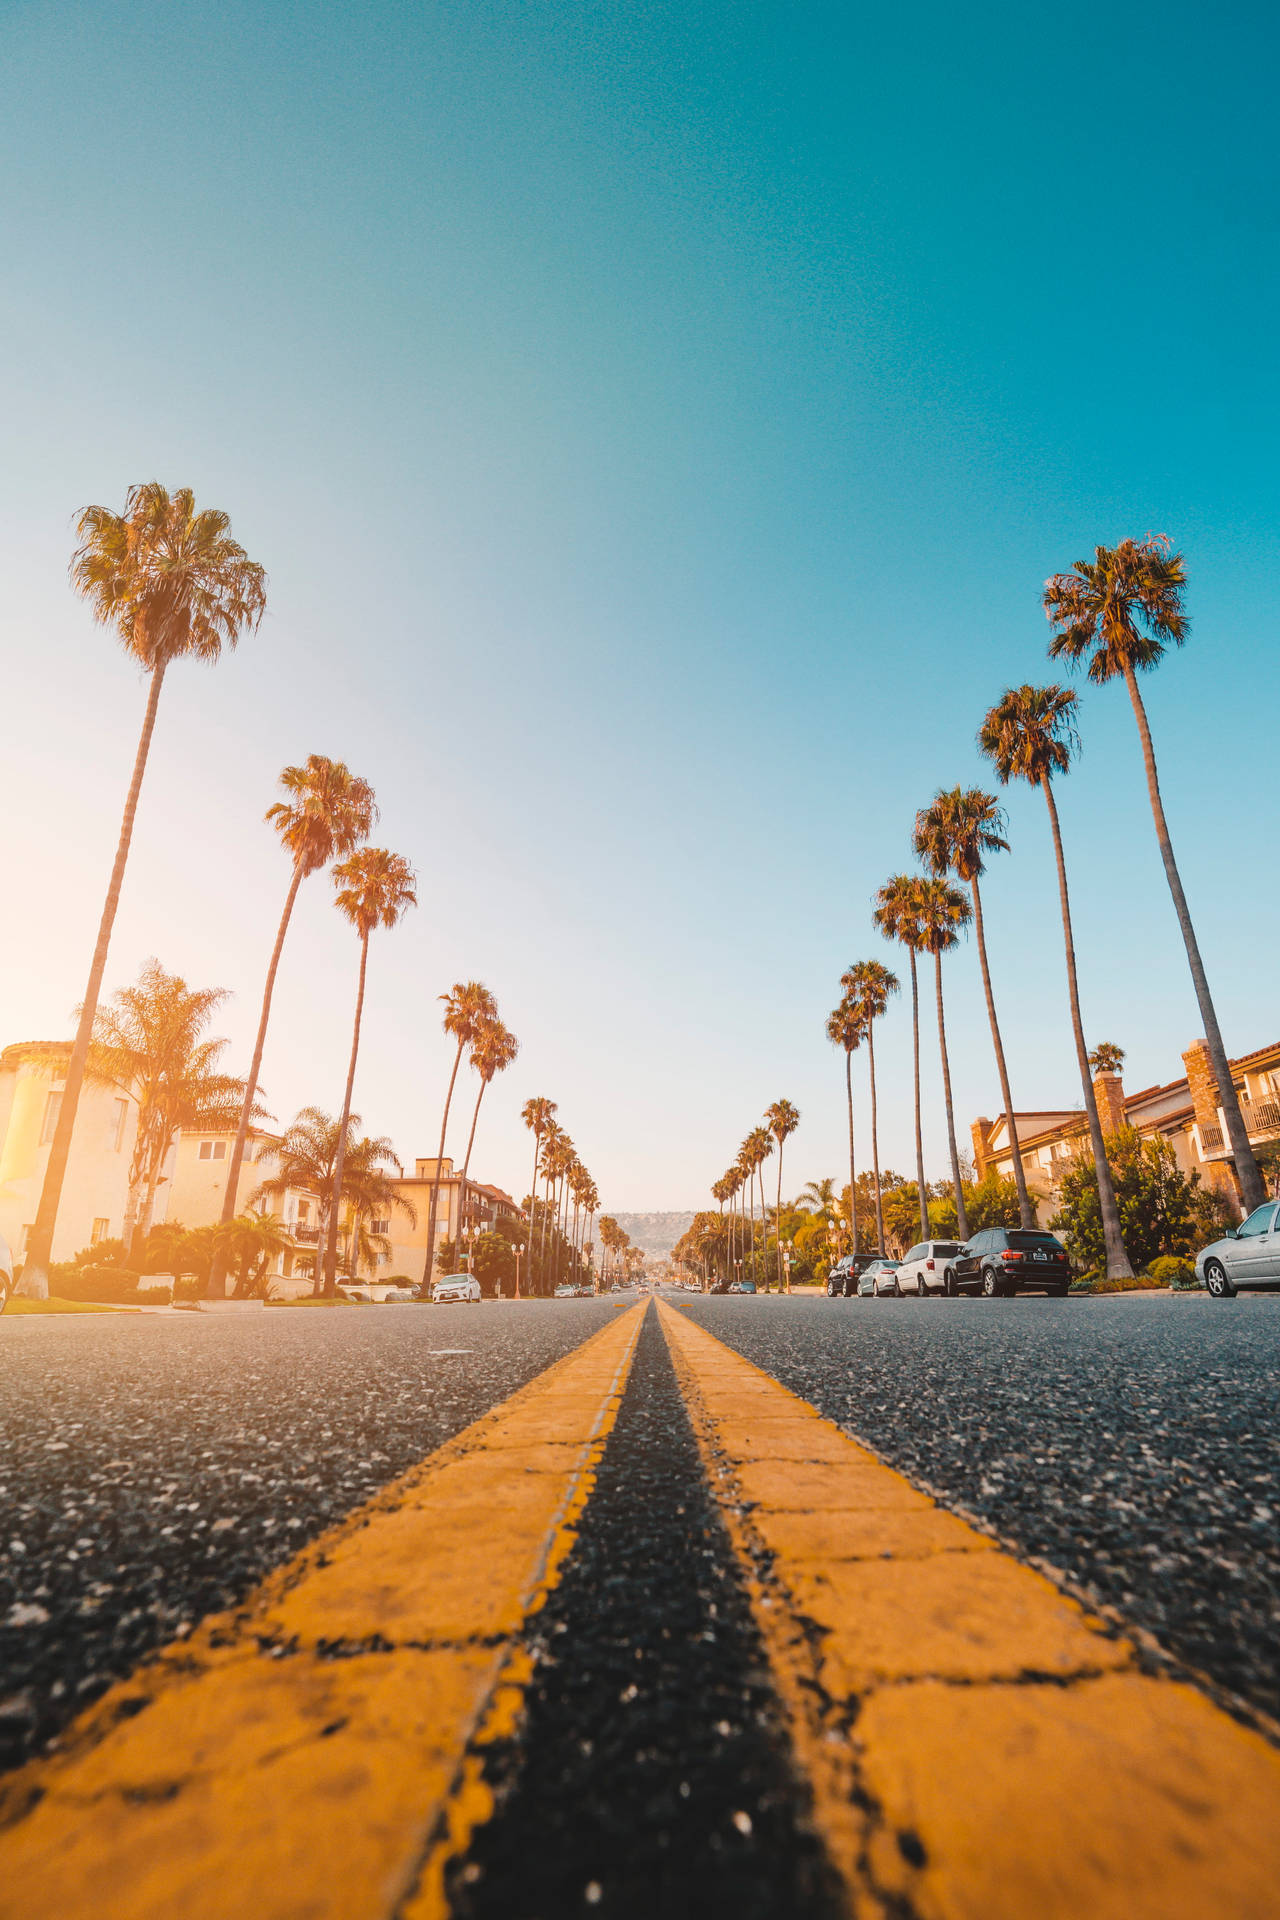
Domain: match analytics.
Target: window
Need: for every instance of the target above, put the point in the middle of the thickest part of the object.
(52, 1108)
(944, 1248)
(304, 1212)
(213, 1149)
(914, 1253)
(99, 1232)
(380, 1226)
(1258, 1222)
(1029, 1241)
(119, 1115)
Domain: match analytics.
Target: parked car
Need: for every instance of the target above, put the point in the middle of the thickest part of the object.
(842, 1281)
(880, 1275)
(742, 1286)
(1246, 1256)
(454, 1287)
(6, 1273)
(923, 1268)
(565, 1292)
(1008, 1259)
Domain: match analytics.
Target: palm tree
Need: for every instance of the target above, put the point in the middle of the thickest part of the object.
(466, 1005)
(173, 585)
(373, 888)
(867, 986)
(306, 1159)
(897, 915)
(952, 836)
(782, 1119)
(249, 1242)
(1106, 1057)
(1120, 611)
(943, 911)
(327, 814)
(755, 1150)
(492, 1051)
(149, 1041)
(845, 1029)
(819, 1196)
(1031, 735)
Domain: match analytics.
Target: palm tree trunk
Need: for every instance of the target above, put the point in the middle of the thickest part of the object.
(962, 1218)
(533, 1204)
(435, 1190)
(853, 1191)
(1026, 1212)
(471, 1140)
(1252, 1188)
(339, 1160)
(875, 1139)
(231, 1191)
(777, 1225)
(1118, 1267)
(34, 1284)
(915, 1055)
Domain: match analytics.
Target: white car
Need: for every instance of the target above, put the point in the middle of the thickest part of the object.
(1248, 1256)
(6, 1274)
(924, 1266)
(565, 1292)
(455, 1286)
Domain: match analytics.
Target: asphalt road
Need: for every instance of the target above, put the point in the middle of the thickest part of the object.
(152, 1467)
(1130, 1442)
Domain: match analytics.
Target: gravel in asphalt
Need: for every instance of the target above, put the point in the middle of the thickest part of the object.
(1131, 1442)
(153, 1467)
(653, 1776)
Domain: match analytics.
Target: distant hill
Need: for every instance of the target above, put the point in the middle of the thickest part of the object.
(654, 1233)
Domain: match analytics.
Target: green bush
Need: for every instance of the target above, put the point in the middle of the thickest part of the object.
(1169, 1271)
(117, 1286)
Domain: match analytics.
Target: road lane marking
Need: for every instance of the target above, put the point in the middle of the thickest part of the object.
(978, 1745)
(304, 1756)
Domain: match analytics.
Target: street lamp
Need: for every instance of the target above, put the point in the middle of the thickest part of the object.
(786, 1261)
(518, 1251)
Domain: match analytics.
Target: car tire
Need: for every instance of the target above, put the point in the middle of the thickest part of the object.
(949, 1286)
(990, 1284)
(1218, 1281)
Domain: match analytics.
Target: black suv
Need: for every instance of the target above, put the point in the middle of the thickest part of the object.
(1007, 1259)
(842, 1280)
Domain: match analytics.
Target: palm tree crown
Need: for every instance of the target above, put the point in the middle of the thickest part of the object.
(1030, 734)
(1122, 608)
(171, 581)
(329, 812)
(374, 888)
(1106, 1057)
(868, 985)
(942, 911)
(955, 832)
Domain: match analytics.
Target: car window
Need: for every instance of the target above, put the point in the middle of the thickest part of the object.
(913, 1253)
(1258, 1222)
(979, 1243)
(1027, 1241)
(946, 1247)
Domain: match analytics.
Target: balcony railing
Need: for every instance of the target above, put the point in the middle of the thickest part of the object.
(1262, 1116)
(304, 1235)
(1211, 1139)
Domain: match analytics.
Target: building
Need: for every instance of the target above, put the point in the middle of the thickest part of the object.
(408, 1235)
(1184, 1112)
(32, 1078)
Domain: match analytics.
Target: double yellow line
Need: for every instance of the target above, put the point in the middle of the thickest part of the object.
(977, 1747)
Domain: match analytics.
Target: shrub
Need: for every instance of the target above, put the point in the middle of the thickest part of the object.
(117, 1286)
(1169, 1271)
(188, 1287)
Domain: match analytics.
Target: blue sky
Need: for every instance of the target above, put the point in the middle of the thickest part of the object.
(657, 423)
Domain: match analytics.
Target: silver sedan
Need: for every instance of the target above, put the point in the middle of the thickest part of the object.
(1247, 1256)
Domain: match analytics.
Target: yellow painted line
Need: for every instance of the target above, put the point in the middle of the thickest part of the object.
(305, 1757)
(979, 1747)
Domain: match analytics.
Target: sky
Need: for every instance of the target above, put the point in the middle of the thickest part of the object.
(657, 422)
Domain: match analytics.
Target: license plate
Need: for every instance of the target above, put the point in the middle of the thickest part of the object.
(1042, 1256)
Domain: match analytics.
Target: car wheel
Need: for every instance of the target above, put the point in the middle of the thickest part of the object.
(991, 1288)
(949, 1286)
(1217, 1280)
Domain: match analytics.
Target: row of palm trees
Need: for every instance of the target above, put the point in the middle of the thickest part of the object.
(171, 583)
(570, 1198)
(1116, 615)
(741, 1179)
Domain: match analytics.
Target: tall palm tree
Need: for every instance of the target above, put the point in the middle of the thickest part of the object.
(327, 813)
(943, 912)
(173, 585)
(306, 1159)
(492, 1051)
(1120, 611)
(373, 888)
(867, 986)
(466, 1005)
(782, 1119)
(756, 1149)
(897, 914)
(952, 836)
(536, 1113)
(845, 1029)
(150, 1041)
(819, 1196)
(1106, 1057)
(1030, 734)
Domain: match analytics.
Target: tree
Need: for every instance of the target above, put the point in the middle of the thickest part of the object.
(372, 888)
(249, 1243)
(307, 1160)
(755, 1150)
(1119, 612)
(492, 1051)
(1031, 735)
(845, 1029)
(897, 914)
(538, 1114)
(943, 911)
(952, 836)
(782, 1119)
(173, 585)
(1160, 1209)
(150, 1041)
(466, 1004)
(867, 986)
(1106, 1057)
(327, 813)
(493, 1262)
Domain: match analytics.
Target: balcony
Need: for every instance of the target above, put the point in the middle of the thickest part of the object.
(306, 1236)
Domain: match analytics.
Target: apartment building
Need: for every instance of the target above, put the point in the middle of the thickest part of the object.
(32, 1080)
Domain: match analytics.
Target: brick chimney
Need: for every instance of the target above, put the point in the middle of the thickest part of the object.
(981, 1131)
(1108, 1091)
(1202, 1083)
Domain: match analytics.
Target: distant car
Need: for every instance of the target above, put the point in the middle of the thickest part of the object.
(742, 1286)
(842, 1280)
(454, 1287)
(880, 1275)
(565, 1292)
(6, 1274)
(924, 1267)
(1247, 1257)
(1007, 1260)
